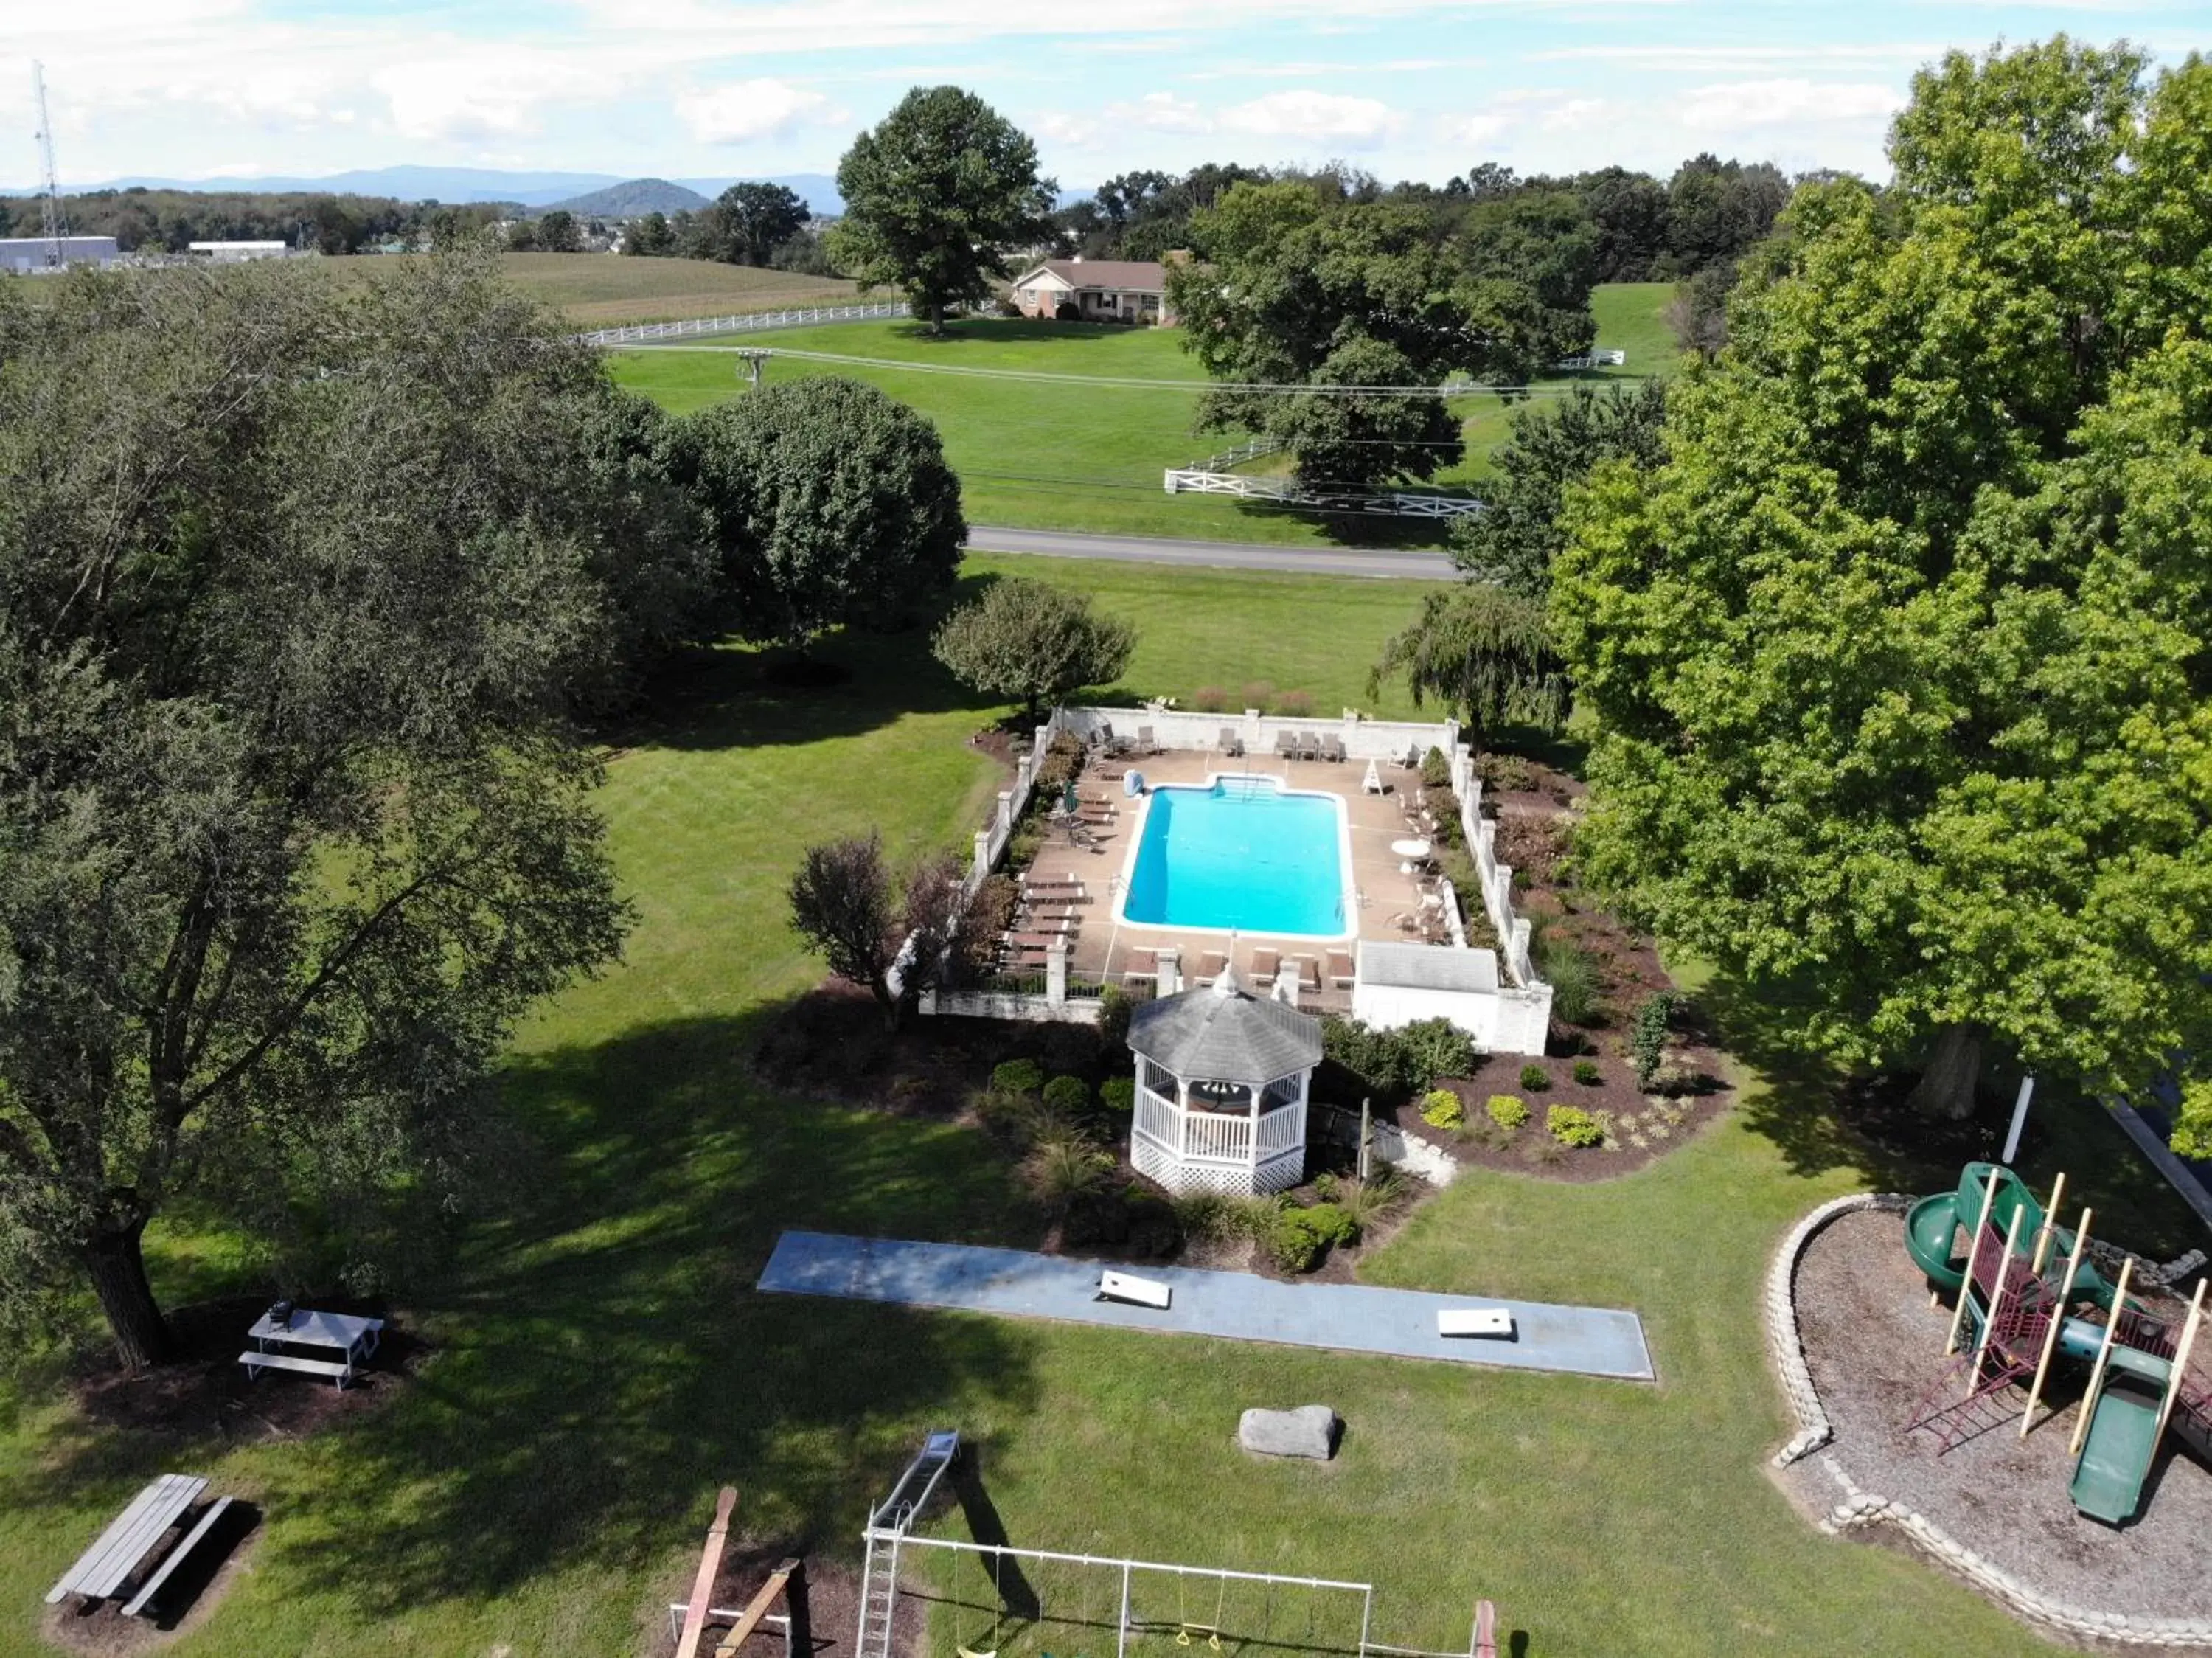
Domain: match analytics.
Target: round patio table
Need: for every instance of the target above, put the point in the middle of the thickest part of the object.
(1410, 852)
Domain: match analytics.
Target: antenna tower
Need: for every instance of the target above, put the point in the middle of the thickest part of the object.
(52, 225)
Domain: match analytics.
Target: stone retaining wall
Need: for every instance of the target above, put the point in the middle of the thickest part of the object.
(1860, 1508)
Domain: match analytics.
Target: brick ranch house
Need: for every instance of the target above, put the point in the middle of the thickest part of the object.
(1101, 290)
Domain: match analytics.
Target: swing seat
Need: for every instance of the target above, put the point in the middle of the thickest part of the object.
(969, 1652)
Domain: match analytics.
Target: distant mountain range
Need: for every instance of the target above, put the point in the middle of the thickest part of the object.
(482, 184)
(633, 200)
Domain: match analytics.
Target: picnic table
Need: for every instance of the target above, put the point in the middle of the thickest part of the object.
(353, 1338)
(102, 1570)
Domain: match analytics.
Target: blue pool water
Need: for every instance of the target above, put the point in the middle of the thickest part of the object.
(1241, 854)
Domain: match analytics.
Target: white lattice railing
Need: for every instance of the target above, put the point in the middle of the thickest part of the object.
(752, 322)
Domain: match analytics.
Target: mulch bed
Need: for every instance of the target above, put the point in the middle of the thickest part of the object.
(1874, 1346)
(207, 1391)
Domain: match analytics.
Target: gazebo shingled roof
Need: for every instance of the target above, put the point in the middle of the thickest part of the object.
(1220, 1034)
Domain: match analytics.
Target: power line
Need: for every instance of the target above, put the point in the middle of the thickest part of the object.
(1120, 382)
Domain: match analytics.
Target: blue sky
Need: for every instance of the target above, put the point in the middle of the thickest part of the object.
(691, 87)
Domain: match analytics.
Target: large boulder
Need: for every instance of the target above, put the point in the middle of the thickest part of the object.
(1308, 1431)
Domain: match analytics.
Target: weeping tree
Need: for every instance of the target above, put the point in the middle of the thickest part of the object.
(893, 938)
(1485, 654)
(297, 582)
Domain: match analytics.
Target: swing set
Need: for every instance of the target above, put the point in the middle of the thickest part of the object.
(1133, 1588)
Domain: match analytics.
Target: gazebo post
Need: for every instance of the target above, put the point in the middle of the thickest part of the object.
(1183, 1119)
(1252, 1138)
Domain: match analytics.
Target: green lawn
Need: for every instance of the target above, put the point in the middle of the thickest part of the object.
(600, 1365)
(1038, 455)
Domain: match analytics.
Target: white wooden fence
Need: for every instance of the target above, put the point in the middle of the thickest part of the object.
(754, 322)
(1285, 493)
(1613, 359)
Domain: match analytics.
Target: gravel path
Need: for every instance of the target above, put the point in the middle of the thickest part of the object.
(1875, 1346)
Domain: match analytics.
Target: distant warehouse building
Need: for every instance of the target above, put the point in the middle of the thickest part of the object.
(20, 255)
(233, 252)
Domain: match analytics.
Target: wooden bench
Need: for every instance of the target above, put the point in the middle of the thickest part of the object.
(107, 1564)
(1474, 1321)
(193, 1537)
(337, 1369)
(1126, 1287)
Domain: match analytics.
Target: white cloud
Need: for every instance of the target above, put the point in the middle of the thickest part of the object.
(744, 111)
(1322, 116)
(1733, 107)
(477, 93)
(1162, 112)
(1073, 131)
(1527, 109)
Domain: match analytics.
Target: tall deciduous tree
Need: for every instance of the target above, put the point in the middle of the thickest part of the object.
(1902, 663)
(749, 221)
(845, 903)
(1552, 447)
(935, 196)
(1034, 640)
(1294, 289)
(295, 579)
(832, 505)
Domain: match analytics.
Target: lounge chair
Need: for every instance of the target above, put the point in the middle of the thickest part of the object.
(1308, 746)
(1061, 889)
(1034, 941)
(1141, 964)
(1146, 745)
(1032, 924)
(1032, 913)
(1265, 965)
(1230, 744)
(1211, 967)
(1342, 975)
(1304, 973)
(1332, 748)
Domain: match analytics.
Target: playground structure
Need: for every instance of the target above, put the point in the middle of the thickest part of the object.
(2025, 1290)
(1131, 1599)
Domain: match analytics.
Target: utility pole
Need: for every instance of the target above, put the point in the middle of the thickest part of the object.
(52, 225)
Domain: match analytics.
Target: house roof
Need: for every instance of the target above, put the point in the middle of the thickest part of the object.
(1426, 968)
(1145, 276)
(1220, 1034)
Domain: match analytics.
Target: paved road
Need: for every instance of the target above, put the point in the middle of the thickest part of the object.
(1215, 555)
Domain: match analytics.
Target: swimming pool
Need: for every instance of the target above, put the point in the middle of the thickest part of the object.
(1245, 854)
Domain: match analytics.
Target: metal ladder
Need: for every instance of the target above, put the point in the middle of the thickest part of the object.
(1982, 1409)
(887, 1529)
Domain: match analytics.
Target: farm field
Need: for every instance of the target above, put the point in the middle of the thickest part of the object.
(599, 289)
(1034, 455)
(599, 1364)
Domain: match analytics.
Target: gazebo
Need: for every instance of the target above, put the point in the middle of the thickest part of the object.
(1221, 1089)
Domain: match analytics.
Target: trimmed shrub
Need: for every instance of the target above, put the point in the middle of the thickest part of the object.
(1588, 1074)
(1016, 1077)
(1535, 1078)
(1571, 1125)
(1330, 1223)
(1114, 1009)
(1508, 1111)
(1257, 693)
(1067, 1096)
(1119, 1094)
(1295, 1243)
(1209, 699)
(1436, 770)
(1647, 1037)
(1399, 1063)
(1442, 1108)
(1294, 704)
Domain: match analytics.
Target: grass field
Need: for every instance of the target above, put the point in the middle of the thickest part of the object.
(600, 1366)
(1038, 455)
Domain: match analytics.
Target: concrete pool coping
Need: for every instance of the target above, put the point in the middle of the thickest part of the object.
(1589, 1341)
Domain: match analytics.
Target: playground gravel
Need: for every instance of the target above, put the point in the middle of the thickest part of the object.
(1874, 1346)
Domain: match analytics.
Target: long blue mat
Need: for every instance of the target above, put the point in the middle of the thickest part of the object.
(1592, 1341)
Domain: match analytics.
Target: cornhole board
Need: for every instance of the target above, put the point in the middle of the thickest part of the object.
(1127, 1286)
(1475, 1321)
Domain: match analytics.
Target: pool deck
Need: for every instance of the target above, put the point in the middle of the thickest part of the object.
(1387, 898)
(1589, 1341)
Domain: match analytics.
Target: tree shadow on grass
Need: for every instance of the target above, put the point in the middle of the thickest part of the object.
(602, 1361)
(736, 696)
(1801, 1111)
